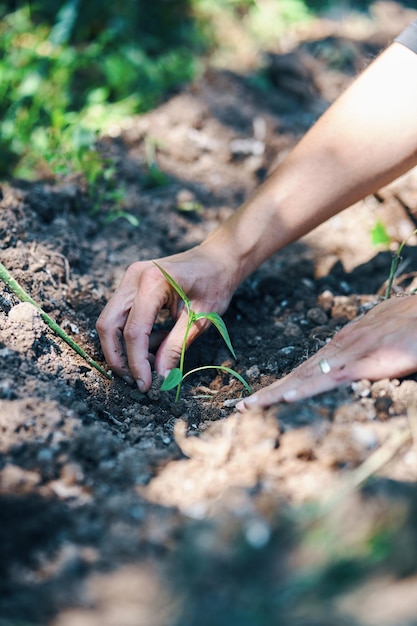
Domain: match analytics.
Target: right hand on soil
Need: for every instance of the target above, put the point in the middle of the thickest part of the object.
(380, 344)
(130, 344)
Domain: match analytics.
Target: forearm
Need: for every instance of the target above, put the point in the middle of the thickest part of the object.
(366, 139)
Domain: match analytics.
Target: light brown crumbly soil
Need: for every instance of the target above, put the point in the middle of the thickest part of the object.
(123, 509)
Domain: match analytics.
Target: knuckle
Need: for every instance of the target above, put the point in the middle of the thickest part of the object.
(113, 364)
(130, 332)
(141, 269)
(134, 268)
(341, 375)
(174, 352)
(101, 325)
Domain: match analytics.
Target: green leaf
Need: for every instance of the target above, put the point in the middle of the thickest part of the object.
(174, 284)
(173, 379)
(156, 177)
(190, 206)
(115, 215)
(223, 368)
(379, 235)
(217, 321)
(67, 16)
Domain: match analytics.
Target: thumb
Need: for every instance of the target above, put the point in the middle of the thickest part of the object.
(169, 352)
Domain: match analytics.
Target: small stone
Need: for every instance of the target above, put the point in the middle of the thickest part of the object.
(362, 388)
(24, 313)
(292, 330)
(72, 473)
(253, 371)
(382, 406)
(317, 316)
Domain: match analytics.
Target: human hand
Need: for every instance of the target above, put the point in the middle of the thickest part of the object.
(130, 345)
(381, 344)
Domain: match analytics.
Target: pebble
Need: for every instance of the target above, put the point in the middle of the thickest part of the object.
(253, 371)
(25, 313)
(257, 533)
(45, 455)
(292, 330)
(364, 436)
(362, 388)
(72, 473)
(317, 316)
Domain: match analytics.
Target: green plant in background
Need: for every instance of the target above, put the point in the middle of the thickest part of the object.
(379, 235)
(176, 376)
(68, 75)
(394, 265)
(269, 18)
(155, 177)
(70, 69)
(104, 193)
(190, 206)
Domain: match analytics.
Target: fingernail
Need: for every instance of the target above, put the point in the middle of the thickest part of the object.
(141, 385)
(246, 403)
(128, 379)
(166, 373)
(290, 396)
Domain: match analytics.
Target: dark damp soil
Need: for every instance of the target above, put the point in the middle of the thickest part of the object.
(124, 509)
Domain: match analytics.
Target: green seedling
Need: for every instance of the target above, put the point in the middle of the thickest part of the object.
(394, 265)
(25, 297)
(176, 376)
(190, 206)
(116, 215)
(155, 177)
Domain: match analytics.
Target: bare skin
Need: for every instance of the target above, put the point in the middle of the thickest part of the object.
(366, 139)
(382, 344)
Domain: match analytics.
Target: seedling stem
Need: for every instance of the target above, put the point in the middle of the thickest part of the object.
(394, 265)
(176, 376)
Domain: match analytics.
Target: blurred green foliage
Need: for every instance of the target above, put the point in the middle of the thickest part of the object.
(71, 68)
(266, 564)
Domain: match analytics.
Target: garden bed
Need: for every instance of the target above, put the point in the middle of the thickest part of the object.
(122, 508)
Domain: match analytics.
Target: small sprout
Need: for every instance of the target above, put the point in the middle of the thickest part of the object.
(190, 206)
(186, 202)
(155, 177)
(129, 217)
(394, 265)
(176, 376)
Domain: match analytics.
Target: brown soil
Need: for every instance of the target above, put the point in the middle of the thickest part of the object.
(123, 509)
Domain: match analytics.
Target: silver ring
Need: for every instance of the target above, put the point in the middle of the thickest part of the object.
(324, 366)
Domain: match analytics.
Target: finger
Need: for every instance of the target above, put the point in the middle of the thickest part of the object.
(136, 334)
(320, 374)
(289, 389)
(317, 375)
(109, 327)
(373, 347)
(125, 325)
(330, 367)
(386, 363)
